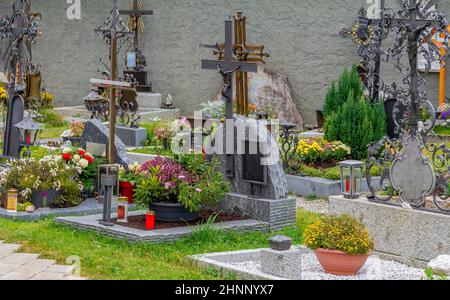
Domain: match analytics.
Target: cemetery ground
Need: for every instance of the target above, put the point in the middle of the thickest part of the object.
(106, 258)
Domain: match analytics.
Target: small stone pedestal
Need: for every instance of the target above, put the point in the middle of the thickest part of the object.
(149, 100)
(282, 260)
(132, 137)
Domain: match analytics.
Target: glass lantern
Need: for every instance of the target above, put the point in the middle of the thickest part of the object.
(122, 210)
(28, 131)
(11, 204)
(351, 178)
(93, 102)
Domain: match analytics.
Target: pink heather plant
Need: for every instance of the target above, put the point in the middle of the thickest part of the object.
(169, 172)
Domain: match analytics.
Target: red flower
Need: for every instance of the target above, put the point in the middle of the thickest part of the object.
(67, 156)
(81, 152)
(90, 159)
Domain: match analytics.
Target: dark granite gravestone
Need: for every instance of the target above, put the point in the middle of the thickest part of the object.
(97, 132)
(259, 185)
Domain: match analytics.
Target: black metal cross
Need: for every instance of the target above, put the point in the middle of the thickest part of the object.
(21, 30)
(112, 30)
(415, 24)
(135, 22)
(373, 73)
(226, 68)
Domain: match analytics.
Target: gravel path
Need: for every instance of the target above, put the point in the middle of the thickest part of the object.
(320, 206)
(375, 269)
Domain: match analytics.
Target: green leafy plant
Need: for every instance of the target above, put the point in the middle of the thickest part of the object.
(356, 124)
(189, 180)
(51, 118)
(429, 275)
(343, 233)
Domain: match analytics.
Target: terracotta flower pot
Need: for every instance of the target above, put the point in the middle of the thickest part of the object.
(340, 263)
(127, 190)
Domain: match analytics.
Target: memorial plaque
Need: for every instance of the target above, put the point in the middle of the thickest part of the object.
(252, 169)
(96, 149)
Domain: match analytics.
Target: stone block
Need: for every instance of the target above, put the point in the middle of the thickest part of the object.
(440, 265)
(18, 258)
(149, 100)
(284, 264)
(97, 132)
(412, 237)
(280, 243)
(132, 137)
(278, 213)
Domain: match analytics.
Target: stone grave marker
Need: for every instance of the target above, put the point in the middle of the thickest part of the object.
(97, 132)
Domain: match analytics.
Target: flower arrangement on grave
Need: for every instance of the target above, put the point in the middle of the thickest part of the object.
(3, 95)
(127, 180)
(163, 133)
(47, 99)
(83, 162)
(50, 178)
(213, 109)
(319, 151)
(75, 130)
(188, 180)
(342, 244)
(445, 114)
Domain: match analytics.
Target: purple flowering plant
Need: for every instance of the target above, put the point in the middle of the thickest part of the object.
(188, 180)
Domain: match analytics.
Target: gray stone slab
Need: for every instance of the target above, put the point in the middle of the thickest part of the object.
(18, 258)
(132, 137)
(97, 132)
(306, 186)
(149, 100)
(284, 264)
(277, 213)
(141, 158)
(412, 237)
(88, 207)
(280, 243)
(155, 236)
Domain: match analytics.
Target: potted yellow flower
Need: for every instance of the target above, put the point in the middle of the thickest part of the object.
(341, 243)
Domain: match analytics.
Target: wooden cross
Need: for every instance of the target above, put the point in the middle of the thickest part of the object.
(115, 31)
(246, 53)
(226, 68)
(135, 22)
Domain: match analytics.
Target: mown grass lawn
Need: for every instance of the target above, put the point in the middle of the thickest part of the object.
(107, 258)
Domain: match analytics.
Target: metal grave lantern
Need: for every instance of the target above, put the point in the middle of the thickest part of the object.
(93, 102)
(351, 178)
(28, 130)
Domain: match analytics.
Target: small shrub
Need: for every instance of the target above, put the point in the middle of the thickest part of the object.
(343, 233)
(51, 118)
(351, 119)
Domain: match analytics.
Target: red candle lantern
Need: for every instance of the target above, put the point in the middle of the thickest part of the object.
(122, 210)
(150, 220)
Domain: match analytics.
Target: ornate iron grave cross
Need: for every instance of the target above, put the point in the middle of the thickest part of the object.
(227, 67)
(136, 25)
(365, 33)
(21, 29)
(403, 164)
(112, 30)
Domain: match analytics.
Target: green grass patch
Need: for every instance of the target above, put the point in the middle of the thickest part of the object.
(153, 150)
(106, 258)
(50, 132)
(441, 130)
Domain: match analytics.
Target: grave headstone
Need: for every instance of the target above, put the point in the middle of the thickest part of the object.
(97, 132)
(259, 185)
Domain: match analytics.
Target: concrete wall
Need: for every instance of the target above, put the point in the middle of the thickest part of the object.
(301, 36)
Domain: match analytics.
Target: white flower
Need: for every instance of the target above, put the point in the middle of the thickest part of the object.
(83, 163)
(67, 150)
(76, 158)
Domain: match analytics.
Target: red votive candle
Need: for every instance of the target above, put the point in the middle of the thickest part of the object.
(347, 185)
(150, 220)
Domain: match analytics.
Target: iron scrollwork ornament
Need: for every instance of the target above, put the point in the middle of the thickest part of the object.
(405, 169)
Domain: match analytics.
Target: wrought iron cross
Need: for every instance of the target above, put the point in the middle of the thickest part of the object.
(112, 30)
(135, 22)
(21, 30)
(369, 47)
(227, 67)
